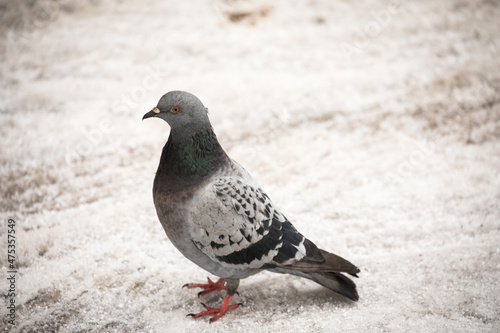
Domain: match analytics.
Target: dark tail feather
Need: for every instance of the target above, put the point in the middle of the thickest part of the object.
(331, 280)
(336, 282)
(324, 268)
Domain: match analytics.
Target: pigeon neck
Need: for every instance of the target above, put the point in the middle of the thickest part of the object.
(188, 159)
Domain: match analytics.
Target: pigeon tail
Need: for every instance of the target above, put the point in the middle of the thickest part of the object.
(332, 280)
(336, 282)
(324, 268)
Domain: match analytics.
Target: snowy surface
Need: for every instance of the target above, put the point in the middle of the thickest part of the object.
(375, 127)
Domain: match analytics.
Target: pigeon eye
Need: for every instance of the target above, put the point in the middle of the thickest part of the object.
(175, 109)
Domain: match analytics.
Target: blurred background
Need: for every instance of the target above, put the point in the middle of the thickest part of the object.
(373, 125)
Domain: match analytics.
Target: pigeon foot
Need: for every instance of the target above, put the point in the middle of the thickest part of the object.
(207, 287)
(218, 312)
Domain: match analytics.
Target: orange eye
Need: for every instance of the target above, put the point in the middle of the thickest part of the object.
(175, 109)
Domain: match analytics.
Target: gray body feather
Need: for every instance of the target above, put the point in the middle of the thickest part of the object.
(217, 216)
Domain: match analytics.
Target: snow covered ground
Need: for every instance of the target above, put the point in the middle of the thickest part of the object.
(374, 126)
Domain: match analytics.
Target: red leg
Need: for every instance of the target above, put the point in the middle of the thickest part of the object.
(218, 312)
(207, 287)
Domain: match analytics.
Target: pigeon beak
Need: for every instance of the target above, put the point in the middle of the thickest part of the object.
(152, 113)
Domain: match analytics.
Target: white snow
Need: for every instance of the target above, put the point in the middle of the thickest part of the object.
(374, 126)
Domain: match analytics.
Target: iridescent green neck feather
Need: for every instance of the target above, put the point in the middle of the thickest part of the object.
(187, 160)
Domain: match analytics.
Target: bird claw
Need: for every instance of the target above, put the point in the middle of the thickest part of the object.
(207, 287)
(217, 312)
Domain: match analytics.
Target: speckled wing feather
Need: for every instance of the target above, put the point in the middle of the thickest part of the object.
(237, 225)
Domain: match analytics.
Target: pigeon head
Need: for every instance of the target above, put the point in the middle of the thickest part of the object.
(192, 152)
(182, 111)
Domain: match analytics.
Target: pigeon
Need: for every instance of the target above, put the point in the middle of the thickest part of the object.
(218, 217)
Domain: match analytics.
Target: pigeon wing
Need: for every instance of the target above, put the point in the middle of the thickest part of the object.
(237, 225)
